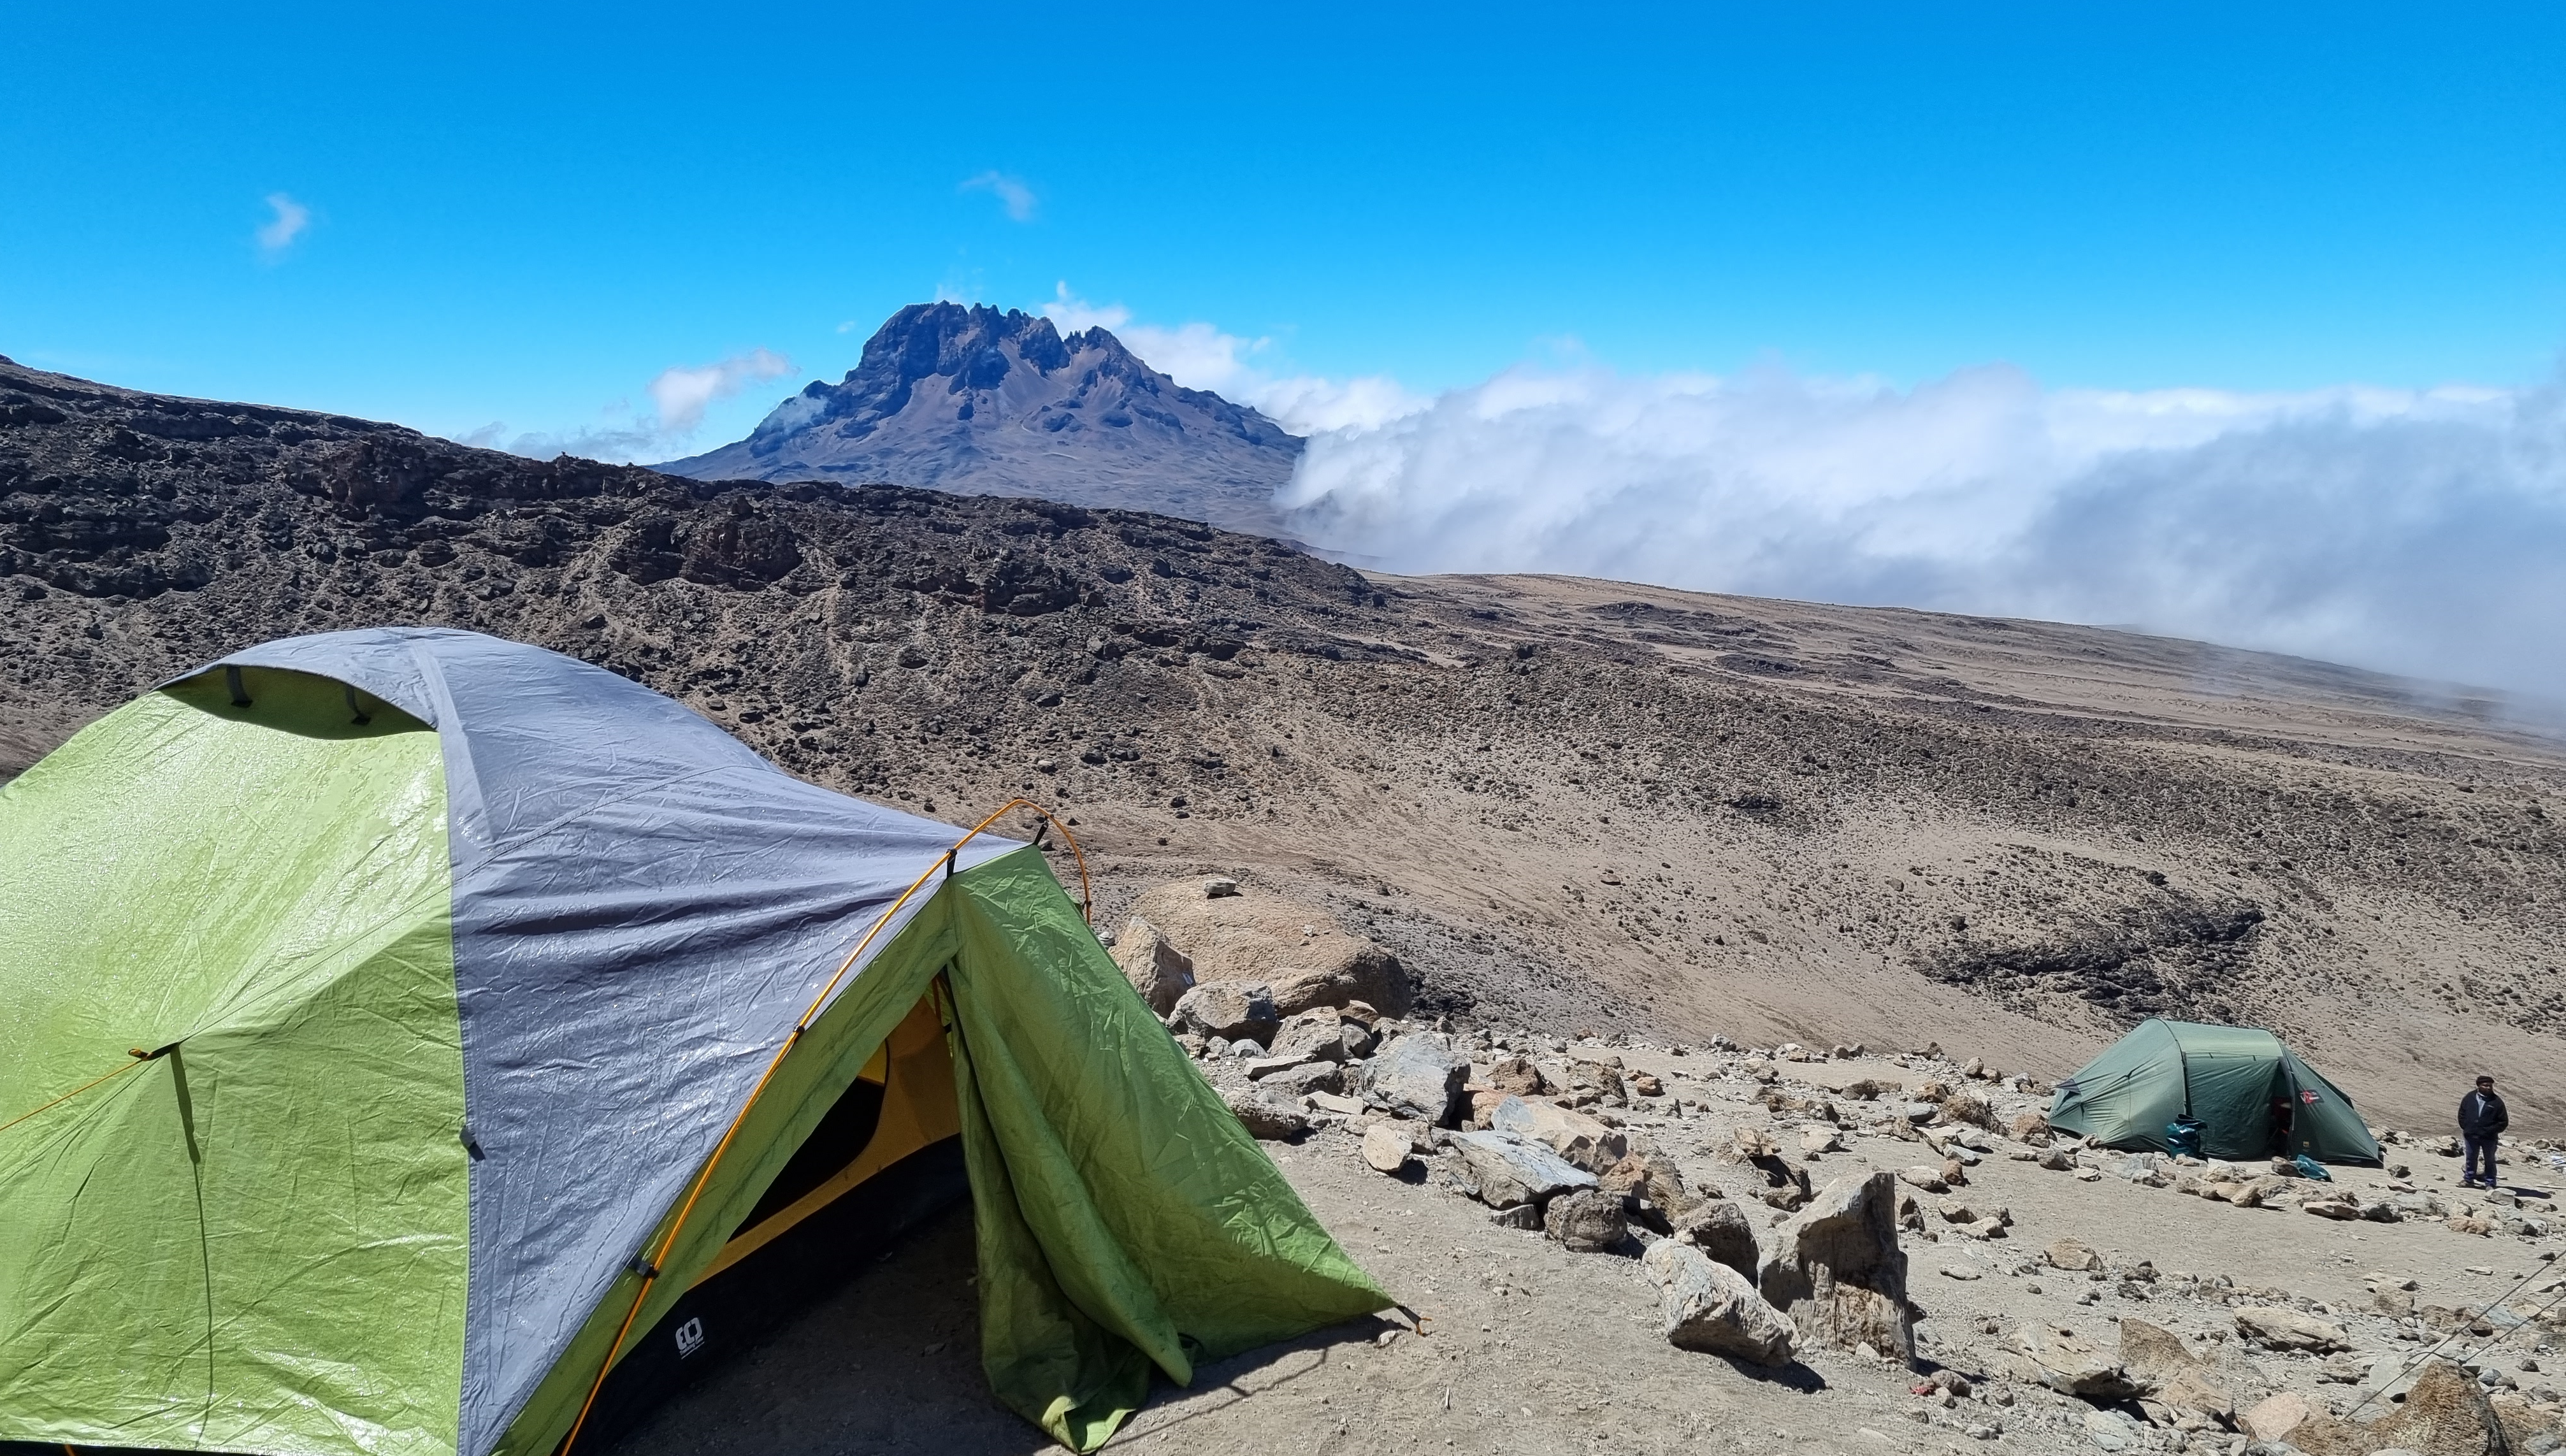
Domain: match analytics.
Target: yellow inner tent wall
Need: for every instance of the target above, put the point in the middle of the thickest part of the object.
(918, 1109)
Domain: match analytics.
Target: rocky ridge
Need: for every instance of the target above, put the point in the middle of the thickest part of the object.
(978, 400)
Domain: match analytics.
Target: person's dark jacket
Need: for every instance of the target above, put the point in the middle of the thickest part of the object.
(2481, 1114)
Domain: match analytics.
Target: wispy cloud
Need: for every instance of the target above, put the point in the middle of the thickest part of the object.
(683, 393)
(679, 396)
(280, 230)
(1073, 314)
(1011, 193)
(638, 441)
(2416, 531)
(1200, 356)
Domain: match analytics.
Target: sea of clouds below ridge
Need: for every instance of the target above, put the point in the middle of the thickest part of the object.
(2420, 532)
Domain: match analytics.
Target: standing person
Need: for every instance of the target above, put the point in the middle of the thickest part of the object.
(2481, 1117)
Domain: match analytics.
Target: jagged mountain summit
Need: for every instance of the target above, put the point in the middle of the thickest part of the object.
(984, 402)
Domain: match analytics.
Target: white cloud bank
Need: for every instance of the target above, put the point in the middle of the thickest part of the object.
(2420, 532)
(679, 395)
(683, 393)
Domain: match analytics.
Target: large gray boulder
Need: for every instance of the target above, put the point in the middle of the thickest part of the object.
(1709, 1307)
(1300, 1081)
(1836, 1268)
(1721, 1230)
(2072, 1363)
(2159, 1362)
(1295, 949)
(1264, 1116)
(1229, 1010)
(1420, 1074)
(1571, 1135)
(1510, 1170)
(1325, 1032)
(1586, 1220)
(2274, 1327)
(1152, 963)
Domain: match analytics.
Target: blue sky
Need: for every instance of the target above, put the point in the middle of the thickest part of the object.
(526, 217)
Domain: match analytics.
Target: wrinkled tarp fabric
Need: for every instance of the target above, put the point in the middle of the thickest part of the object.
(1124, 1217)
(2224, 1077)
(643, 906)
(256, 1241)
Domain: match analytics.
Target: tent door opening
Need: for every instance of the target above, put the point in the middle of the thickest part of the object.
(885, 1158)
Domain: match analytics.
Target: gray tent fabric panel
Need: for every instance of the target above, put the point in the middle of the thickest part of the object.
(641, 908)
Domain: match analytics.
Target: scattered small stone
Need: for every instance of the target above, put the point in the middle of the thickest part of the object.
(1387, 1147)
(2073, 1256)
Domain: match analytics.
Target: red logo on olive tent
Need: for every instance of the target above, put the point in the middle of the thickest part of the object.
(2309, 1096)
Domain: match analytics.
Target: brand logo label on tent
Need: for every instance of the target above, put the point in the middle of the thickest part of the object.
(2309, 1096)
(690, 1338)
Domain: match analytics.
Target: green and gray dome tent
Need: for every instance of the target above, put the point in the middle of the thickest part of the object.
(400, 1020)
(2229, 1080)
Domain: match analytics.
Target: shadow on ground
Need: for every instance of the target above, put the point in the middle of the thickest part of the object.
(891, 1362)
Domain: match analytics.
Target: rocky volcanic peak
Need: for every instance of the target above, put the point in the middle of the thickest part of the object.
(1563, 804)
(999, 403)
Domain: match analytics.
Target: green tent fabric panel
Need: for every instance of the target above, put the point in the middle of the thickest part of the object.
(2329, 1128)
(2126, 1096)
(258, 1241)
(1045, 1359)
(2231, 1097)
(1158, 1220)
(2234, 1075)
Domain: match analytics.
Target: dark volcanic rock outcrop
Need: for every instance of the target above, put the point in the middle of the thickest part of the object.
(977, 400)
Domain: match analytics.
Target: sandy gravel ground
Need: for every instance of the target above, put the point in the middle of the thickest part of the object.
(1532, 1349)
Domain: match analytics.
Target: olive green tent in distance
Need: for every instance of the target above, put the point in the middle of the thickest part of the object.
(419, 1044)
(2233, 1081)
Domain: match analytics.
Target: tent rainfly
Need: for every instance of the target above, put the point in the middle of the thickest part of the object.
(2252, 1097)
(421, 1045)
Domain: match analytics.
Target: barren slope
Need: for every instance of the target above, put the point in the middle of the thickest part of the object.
(1567, 801)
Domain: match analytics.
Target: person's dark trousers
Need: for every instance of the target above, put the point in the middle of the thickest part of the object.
(2480, 1145)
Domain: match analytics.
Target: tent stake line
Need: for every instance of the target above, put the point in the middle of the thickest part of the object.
(137, 1054)
(651, 1267)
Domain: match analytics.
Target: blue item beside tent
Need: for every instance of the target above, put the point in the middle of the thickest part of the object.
(2182, 1137)
(2310, 1168)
